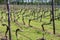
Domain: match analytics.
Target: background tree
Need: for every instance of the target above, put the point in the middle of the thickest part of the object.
(57, 2)
(1, 1)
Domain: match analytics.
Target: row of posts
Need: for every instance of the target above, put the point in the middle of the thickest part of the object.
(8, 9)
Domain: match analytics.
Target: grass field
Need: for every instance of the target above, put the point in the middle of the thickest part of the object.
(20, 14)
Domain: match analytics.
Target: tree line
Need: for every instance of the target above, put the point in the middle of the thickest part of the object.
(55, 2)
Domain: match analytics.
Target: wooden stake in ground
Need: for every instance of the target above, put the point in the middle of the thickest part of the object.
(8, 9)
(53, 17)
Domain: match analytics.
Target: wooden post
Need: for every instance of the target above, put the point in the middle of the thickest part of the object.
(8, 9)
(53, 17)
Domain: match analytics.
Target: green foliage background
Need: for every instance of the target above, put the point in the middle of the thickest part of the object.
(56, 2)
